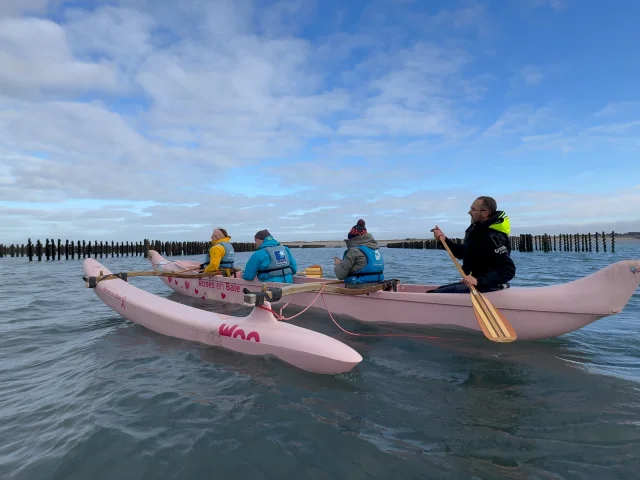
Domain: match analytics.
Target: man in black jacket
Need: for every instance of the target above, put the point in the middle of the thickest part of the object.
(485, 252)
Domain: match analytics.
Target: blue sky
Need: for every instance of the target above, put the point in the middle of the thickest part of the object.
(135, 119)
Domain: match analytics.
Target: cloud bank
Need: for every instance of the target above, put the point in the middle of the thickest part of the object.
(140, 119)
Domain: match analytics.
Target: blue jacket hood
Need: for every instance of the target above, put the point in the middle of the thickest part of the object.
(269, 242)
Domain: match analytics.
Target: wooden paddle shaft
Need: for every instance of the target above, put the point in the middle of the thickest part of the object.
(250, 298)
(329, 287)
(182, 274)
(307, 287)
(444, 244)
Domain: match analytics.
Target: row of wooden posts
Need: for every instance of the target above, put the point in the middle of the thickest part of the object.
(83, 249)
(579, 242)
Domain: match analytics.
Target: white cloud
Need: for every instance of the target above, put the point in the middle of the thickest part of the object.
(387, 218)
(519, 119)
(416, 96)
(531, 75)
(616, 108)
(36, 59)
(615, 128)
(622, 136)
(123, 35)
(10, 8)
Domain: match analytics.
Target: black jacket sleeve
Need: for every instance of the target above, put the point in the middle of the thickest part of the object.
(497, 255)
(456, 249)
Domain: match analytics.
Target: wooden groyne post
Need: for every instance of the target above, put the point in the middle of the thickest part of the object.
(578, 242)
(99, 249)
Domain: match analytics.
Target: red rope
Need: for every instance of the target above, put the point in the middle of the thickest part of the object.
(280, 317)
(379, 334)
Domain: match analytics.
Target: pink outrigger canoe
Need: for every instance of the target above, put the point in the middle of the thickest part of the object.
(534, 312)
(259, 333)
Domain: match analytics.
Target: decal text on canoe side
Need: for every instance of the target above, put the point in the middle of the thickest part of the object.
(234, 332)
(230, 287)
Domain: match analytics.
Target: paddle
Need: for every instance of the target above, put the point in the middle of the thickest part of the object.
(92, 281)
(492, 323)
(312, 271)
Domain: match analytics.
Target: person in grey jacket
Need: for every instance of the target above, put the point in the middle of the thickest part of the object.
(362, 262)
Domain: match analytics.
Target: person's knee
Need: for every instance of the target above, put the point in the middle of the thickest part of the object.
(488, 289)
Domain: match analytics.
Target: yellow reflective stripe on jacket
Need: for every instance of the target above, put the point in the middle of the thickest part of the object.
(503, 225)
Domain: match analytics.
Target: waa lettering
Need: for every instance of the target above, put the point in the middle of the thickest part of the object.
(234, 332)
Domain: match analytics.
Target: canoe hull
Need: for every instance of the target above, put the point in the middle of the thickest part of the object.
(535, 312)
(259, 333)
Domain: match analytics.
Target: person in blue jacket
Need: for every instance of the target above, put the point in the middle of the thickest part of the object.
(271, 262)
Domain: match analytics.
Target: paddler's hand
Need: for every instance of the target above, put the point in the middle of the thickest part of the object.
(437, 233)
(469, 280)
(336, 260)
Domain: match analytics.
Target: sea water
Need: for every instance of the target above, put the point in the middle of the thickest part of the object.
(85, 394)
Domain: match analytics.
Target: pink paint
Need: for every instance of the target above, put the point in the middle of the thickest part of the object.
(239, 333)
(223, 295)
(253, 336)
(227, 331)
(195, 290)
(235, 332)
(303, 348)
(187, 285)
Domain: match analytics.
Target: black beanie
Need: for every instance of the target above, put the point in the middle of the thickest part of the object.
(357, 229)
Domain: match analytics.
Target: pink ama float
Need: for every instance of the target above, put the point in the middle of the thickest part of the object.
(259, 333)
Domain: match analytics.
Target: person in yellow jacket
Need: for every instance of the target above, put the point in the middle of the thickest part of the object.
(221, 255)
